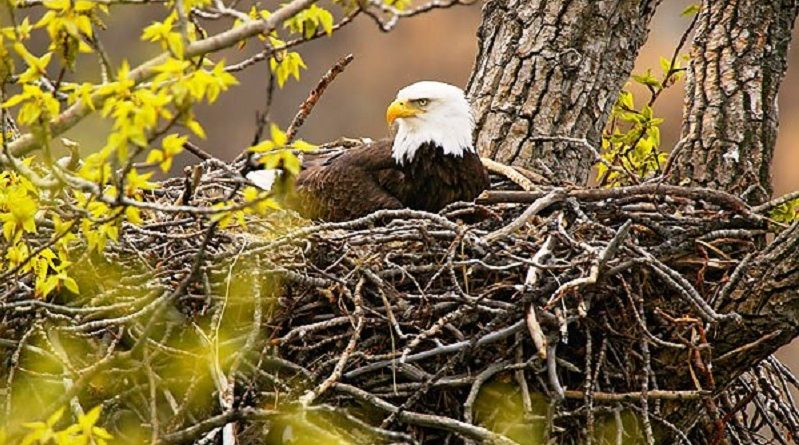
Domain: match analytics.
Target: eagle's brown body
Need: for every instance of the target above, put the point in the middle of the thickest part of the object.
(355, 182)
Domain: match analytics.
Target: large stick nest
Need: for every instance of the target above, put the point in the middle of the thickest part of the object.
(569, 312)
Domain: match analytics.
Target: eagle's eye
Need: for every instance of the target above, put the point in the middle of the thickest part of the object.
(421, 102)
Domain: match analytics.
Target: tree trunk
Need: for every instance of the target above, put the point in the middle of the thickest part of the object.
(552, 68)
(730, 122)
(739, 58)
(555, 69)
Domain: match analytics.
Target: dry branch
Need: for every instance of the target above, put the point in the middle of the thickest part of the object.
(315, 95)
(418, 315)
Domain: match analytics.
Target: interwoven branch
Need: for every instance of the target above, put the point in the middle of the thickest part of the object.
(423, 317)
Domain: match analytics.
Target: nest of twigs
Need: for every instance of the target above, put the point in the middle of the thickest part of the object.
(571, 313)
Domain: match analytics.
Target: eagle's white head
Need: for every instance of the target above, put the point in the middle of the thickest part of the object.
(434, 112)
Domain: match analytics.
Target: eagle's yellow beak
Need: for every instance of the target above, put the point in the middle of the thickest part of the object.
(398, 109)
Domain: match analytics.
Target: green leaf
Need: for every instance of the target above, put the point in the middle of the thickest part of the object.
(288, 65)
(665, 65)
(690, 10)
(195, 128)
(310, 20)
(88, 420)
(786, 213)
(55, 417)
(647, 79)
(647, 112)
(278, 136)
(399, 4)
(643, 148)
(302, 145)
(626, 100)
(654, 135)
(326, 20)
(71, 285)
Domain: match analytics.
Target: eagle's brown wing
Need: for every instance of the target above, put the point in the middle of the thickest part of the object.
(346, 185)
(434, 180)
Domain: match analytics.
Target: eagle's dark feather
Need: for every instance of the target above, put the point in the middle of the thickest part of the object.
(353, 183)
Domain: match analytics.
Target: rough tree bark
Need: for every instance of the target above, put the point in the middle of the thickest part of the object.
(730, 126)
(555, 68)
(766, 295)
(552, 68)
(739, 58)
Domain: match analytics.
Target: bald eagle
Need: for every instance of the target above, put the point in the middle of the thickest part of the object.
(430, 163)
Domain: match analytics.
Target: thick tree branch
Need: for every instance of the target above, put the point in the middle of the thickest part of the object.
(552, 68)
(765, 292)
(738, 61)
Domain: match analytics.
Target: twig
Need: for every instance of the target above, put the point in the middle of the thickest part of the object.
(429, 420)
(74, 114)
(597, 264)
(537, 206)
(552, 372)
(311, 395)
(455, 347)
(314, 96)
(194, 431)
(510, 173)
(776, 202)
(741, 349)
(536, 333)
(197, 151)
(720, 198)
(263, 55)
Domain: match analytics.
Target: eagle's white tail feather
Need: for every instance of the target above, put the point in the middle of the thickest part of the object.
(264, 179)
